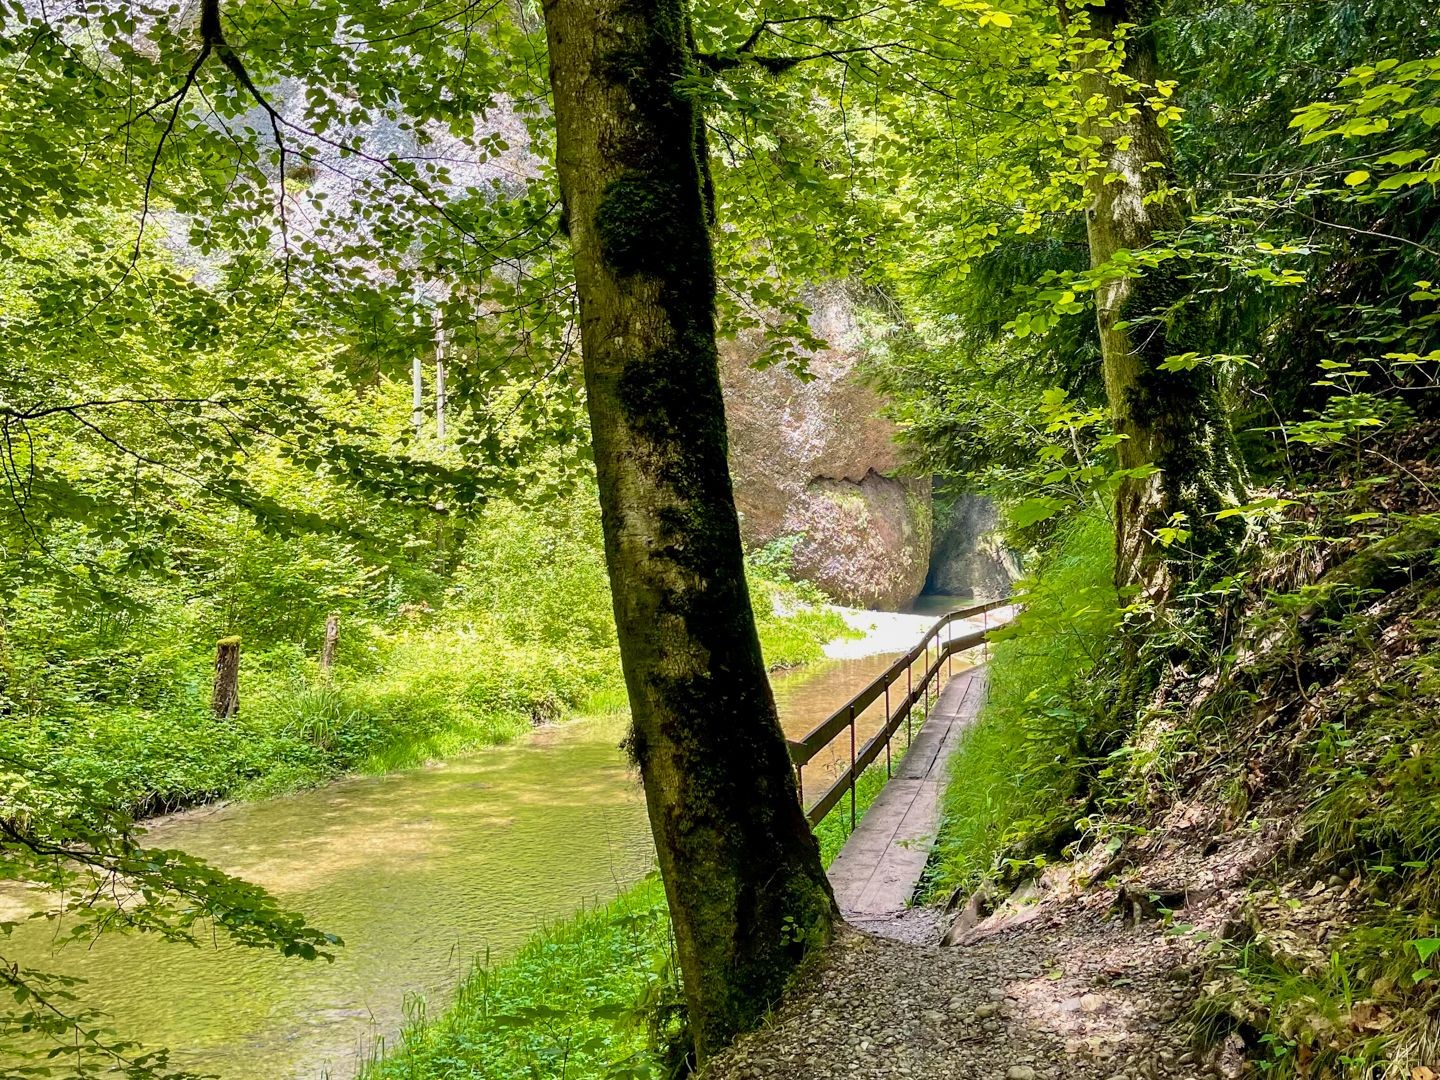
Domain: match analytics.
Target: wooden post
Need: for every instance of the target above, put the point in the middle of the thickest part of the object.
(332, 638)
(225, 702)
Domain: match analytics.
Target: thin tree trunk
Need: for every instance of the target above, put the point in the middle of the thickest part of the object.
(225, 697)
(1171, 420)
(417, 394)
(440, 388)
(742, 871)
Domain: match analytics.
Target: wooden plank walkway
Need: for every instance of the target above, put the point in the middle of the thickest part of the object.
(877, 870)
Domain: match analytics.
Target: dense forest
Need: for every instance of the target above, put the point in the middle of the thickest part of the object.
(361, 409)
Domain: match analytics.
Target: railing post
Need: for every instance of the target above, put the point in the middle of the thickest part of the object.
(852, 768)
(926, 676)
(800, 784)
(909, 695)
(887, 730)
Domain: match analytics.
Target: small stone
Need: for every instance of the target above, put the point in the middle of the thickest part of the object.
(987, 1010)
(1091, 1003)
(1020, 1072)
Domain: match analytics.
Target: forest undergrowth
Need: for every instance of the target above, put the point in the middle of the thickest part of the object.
(1265, 786)
(518, 635)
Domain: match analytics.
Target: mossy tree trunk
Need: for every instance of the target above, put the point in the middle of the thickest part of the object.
(1173, 420)
(742, 871)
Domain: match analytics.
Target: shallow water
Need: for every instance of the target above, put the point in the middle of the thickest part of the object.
(420, 872)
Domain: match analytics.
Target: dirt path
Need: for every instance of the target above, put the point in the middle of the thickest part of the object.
(1072, 993)
(1054, 985)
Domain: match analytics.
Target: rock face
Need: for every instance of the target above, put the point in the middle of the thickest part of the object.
(970, 557)
(817, 460)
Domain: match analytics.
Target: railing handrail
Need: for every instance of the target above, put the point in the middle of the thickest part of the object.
(820, 736)
(823, 734)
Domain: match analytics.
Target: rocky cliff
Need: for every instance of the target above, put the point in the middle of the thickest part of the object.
(817, 460)
(970, 557)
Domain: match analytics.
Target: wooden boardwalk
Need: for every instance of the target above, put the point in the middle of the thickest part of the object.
(876, 872)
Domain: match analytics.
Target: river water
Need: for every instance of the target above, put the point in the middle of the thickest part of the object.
(420, 872)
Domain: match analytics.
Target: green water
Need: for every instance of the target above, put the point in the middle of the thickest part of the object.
(420, 872)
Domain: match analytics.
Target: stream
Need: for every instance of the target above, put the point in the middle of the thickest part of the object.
(420, 872)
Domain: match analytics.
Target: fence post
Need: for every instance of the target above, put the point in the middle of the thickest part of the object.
(925, 686)
(909, 694)
(332, 639)
(225, 699)
(800, 783)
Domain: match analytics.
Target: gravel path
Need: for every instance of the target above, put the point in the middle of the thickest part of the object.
(1074, 994)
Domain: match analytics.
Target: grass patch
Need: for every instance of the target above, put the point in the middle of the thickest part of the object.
(1013, 772)
(577, 1001)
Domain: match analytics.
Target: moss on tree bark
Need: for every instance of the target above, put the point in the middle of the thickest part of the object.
(742, 871)
(1173, 420)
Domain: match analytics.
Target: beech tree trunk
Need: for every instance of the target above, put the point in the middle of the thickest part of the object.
(225, 696)
(1171, 420)
(742, 870)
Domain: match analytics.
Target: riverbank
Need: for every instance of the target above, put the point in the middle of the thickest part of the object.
(427, 688)
(390, 861)
(596, 997)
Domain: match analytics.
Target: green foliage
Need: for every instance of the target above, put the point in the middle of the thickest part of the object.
(1015, 772)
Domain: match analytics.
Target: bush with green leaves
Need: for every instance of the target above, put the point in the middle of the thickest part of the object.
(1014, 773)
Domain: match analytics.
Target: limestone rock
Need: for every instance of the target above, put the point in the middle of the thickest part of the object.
(970, 557)
(817, 460)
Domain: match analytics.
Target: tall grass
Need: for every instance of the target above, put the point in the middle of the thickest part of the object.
(578, 1001)
(1014, 770)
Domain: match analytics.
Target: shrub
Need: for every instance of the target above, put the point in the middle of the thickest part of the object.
(1015, 770)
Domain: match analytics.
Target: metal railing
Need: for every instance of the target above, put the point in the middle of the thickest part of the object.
(943, 646)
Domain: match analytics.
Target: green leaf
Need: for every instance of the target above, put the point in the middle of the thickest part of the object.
(1033, 511)
(1426, 947)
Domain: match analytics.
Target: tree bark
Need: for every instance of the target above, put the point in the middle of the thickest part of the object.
(1173, 420)
(742, 871)
(225, 698)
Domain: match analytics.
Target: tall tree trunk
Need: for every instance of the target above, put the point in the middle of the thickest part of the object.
(1172, 420)
(742, 870)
